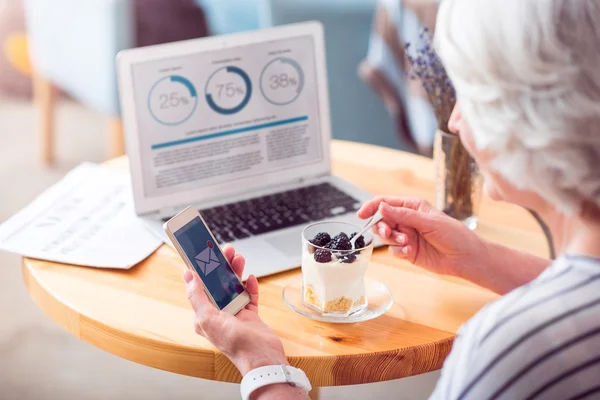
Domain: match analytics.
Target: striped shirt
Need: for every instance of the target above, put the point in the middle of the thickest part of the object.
(540, 341)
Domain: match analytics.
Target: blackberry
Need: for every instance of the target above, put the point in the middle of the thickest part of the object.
(341, 242)
(360, 242)
(348, 258)
(322, 256)
(321, 239)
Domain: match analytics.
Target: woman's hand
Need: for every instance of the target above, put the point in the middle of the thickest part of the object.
(247, 341)
(425, 236)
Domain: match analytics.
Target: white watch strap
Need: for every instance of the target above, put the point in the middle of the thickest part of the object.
(270, 375)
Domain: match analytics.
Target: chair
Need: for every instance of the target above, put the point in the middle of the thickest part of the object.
(229, 16)
(72, 46)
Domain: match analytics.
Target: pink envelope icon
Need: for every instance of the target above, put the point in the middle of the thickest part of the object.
(207, 261)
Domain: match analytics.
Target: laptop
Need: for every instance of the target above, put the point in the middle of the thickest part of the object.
(238, 126)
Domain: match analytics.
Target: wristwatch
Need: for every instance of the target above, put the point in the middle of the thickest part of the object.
(273, 374)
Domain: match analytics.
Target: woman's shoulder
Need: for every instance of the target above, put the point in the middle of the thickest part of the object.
(558, 293)
(534, 335)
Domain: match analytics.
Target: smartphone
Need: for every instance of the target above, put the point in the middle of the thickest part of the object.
(198, 248)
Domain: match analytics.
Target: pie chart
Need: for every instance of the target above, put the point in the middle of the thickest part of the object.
(282, 81)
(228, 90)
(172, 100)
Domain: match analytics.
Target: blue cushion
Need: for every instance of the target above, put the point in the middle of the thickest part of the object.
(228, 16)
(73, 43)
(357, 114)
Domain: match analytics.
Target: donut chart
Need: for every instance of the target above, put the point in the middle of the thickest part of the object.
(172, 100)
(228, 90)
(282, 81)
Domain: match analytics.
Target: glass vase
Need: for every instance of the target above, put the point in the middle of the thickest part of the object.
(459, 183)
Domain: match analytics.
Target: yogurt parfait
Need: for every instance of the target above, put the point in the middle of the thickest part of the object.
(333, 270)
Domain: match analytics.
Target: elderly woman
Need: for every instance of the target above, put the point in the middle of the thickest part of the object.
(528, 81)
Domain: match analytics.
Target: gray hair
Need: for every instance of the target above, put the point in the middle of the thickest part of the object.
(527, 75)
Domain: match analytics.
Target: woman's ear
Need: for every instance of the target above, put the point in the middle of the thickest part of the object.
(454, 121)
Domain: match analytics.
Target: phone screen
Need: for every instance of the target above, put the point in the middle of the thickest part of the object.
(208, 261)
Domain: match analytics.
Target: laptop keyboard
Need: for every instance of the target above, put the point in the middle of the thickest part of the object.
(277, 211)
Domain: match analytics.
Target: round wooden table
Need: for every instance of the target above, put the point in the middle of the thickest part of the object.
(143, 314)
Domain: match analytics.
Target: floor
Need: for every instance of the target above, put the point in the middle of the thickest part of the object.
(38, 360)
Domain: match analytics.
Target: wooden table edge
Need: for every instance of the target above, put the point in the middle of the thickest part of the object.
(321, 370)
(206, 363)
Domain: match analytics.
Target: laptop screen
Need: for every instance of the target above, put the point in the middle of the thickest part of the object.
(227, 115)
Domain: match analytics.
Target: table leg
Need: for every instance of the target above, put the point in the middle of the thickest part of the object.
(314, 394)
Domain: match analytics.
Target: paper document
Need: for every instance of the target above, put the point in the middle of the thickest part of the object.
(85, 219)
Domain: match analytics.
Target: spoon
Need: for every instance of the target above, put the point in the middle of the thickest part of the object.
(372, 221)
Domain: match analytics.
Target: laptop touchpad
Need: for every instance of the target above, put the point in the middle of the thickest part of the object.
(288, 243)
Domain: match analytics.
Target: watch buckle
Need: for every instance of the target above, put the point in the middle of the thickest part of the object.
(288, 375)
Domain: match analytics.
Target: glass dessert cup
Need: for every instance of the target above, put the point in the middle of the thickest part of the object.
(333, 274)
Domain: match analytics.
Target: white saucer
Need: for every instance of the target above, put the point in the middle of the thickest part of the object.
(378, 295)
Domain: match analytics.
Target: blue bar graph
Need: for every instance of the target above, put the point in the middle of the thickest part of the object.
(229, 132)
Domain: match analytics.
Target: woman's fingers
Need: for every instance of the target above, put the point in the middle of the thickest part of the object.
(205, 311)
(229, 252)
(399, 238)
(369, 208)
(402, 216)
(252, 288)
(382, 230)
(388, 235)
(391, 242)
(403, 252)
(237, 261)
(238, 264)
(406, 244)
